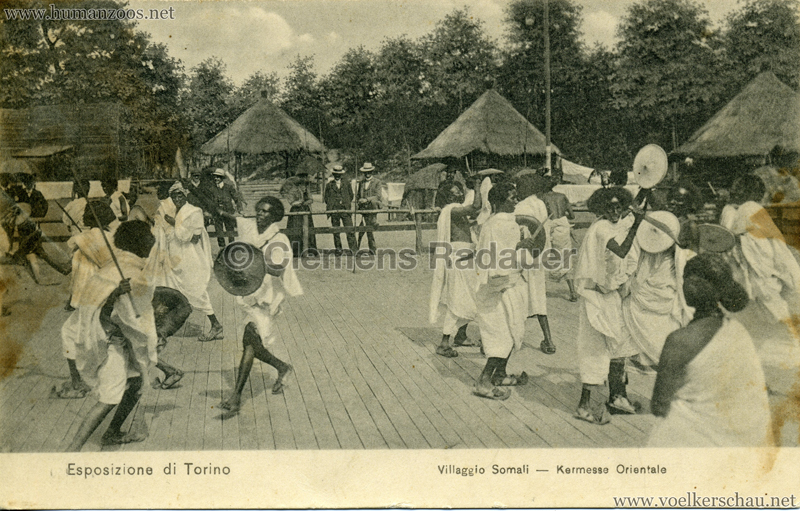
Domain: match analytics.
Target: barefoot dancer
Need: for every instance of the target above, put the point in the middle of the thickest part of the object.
(90, 255)
(528, 188)
(189, 256)
(560, 230)
(116, 347)
(171, 310)
(261, 306)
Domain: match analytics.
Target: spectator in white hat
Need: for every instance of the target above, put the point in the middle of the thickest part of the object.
(370, 196)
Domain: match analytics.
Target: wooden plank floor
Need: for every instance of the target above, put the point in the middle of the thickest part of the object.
(366, 376)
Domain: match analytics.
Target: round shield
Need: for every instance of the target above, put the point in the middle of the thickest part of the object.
(650, 165)
(658, 232)
(240, 268)
(535, 231)
(715, 238)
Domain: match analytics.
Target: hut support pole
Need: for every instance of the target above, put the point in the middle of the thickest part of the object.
(418, 232)
(548, 149)
(306, 217)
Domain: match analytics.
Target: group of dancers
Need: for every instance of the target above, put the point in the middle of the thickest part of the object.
(655, 291)
(135, 282)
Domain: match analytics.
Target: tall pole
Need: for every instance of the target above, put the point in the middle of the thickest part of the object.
(548, 149)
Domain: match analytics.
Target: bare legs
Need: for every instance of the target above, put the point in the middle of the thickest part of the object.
(253, 348)
(98, 412)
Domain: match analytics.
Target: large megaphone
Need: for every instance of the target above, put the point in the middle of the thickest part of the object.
(650, 166)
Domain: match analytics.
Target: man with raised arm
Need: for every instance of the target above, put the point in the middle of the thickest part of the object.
(454, 278)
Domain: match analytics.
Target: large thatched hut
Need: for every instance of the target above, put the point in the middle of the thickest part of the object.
(491, 133)
(759, 123)
(263, 129)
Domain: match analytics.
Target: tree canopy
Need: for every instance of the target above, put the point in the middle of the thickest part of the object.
(669, 73)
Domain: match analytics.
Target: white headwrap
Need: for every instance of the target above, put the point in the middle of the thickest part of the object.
(178, 187)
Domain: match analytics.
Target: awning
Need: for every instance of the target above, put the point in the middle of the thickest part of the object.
(42, 151)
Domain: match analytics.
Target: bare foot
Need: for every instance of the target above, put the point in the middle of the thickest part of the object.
(277, 387)
(231, 404)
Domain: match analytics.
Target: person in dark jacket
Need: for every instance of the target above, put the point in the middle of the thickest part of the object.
(227, 201)
(339, 196)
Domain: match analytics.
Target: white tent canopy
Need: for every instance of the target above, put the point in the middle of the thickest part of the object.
(570, 168)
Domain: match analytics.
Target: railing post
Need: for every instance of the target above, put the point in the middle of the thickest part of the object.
(418, 232)
(306, 217)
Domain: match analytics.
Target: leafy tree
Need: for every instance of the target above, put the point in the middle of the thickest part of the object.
(206, 101)
(46, 61)
(459, 59)
(522, 74)
(301, 95)
(255, 87)
(764, 35)
(348, 93)
(667, 70)
(399, 108)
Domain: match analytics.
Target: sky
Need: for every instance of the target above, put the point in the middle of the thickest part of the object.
(250, 36)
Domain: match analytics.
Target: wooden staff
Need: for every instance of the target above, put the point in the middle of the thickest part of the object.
(68, 215)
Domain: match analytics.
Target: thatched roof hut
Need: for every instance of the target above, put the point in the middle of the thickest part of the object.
(490, 126)
(765, 114)
(426, 178)
(263, 128)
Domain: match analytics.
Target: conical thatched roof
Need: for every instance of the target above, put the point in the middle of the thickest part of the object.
(426, 178)
(764, 115)
(263, 128)
(491, 126)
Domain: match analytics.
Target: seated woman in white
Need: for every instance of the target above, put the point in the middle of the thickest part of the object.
(710, 388)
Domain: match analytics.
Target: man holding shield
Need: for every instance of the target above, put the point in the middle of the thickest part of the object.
(260, 288)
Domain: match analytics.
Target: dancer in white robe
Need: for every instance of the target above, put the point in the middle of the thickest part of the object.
(454, 278)
(502, 296)
(189, 249)
(528, 188)
(91, 254)
(605, 263)
(559, 229)
(765, 266)
(163, 232)
(654, 308)
(261, 306)
(710, 389)
(116, 344)
(75, 209)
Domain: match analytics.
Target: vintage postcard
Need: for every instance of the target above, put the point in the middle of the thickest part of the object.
(384, 253)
